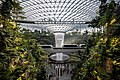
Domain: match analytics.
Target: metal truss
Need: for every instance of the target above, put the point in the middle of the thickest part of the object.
(58, 15)
(60, 10)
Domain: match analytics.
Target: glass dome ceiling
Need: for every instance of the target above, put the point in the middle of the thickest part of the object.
(59, 11)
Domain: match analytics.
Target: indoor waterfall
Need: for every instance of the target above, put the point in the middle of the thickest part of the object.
(59, 41)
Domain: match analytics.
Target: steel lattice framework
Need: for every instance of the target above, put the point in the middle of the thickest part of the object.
(59, 11)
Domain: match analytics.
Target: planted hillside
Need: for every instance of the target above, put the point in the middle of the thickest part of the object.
(102, 62)
(19, 57)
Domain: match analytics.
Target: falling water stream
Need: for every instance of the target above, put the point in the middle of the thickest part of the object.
(59, 41)
(62, 71)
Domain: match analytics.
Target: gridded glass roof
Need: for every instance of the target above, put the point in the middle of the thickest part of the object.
(60, 10)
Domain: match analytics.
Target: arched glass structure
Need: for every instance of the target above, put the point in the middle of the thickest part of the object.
(60, 10)
(47, 13)
(59, 15)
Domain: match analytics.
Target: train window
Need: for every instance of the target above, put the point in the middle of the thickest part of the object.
(46, 46)
(70, 45)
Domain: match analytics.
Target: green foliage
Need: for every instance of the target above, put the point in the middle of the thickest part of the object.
(19, 57)
(107, 12)
(42, 38)
(10, 9)
(103, 60)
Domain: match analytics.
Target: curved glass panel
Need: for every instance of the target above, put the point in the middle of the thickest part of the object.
(60, 10)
